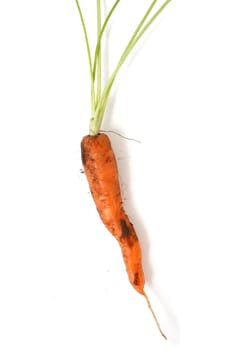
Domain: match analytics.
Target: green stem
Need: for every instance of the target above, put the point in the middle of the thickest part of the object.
(101, 34)
(149, 23)
(95, 123)
(89, 57)
(98, 89)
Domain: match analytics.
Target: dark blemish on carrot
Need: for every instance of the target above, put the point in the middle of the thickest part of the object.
(83, 155)
(108, 160)
(125, 231)
(136, 279)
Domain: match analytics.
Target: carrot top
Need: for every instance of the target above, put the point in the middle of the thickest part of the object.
(99, 95)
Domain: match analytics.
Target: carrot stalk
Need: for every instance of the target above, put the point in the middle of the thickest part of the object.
(98, 88)
(101, 34)
(100, 98)
(88, 55)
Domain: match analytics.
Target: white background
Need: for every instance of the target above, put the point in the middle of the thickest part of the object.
(62, 280)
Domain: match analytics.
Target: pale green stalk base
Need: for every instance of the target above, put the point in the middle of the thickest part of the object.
(99, 98)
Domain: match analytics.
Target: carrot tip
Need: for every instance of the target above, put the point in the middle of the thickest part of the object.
(154, 316)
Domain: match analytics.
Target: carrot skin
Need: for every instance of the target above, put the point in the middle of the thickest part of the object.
(102, 174)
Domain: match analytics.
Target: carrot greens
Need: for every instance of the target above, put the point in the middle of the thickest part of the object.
(99, 95)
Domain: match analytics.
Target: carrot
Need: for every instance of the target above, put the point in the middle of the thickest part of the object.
(97, 155)
(102, 174)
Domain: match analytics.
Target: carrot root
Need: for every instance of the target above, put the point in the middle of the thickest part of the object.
(154, 316)
(102, 174)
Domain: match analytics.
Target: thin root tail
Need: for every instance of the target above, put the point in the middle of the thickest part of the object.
(154, 316)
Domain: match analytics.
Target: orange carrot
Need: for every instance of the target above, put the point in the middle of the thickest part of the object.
(102, 174)
(97, 154)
